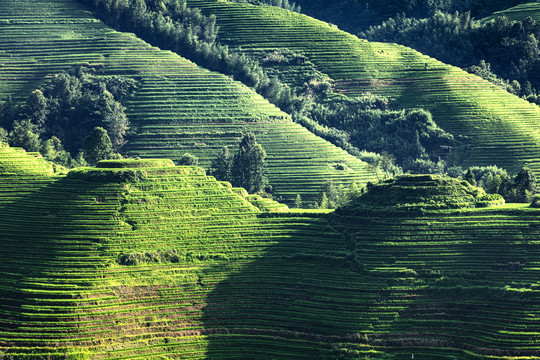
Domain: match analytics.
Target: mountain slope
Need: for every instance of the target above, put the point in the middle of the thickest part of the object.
(142, 259)
(499, 128)
(178, 107)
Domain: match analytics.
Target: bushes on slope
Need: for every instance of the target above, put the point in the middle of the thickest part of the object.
(65, 111)
(494, 180)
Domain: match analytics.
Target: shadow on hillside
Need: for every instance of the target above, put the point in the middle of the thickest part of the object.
(50, 239)
(303, 299)
(308, 298)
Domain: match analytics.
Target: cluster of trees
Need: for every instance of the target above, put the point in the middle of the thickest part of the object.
(247, 168)
(56, 119)
(331, 196)
(495, 49)
(494, 180)
(408, 135)
(520, 188)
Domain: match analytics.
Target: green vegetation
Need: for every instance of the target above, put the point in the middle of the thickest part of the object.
(97, 146)
(421, 193)
(178, 107)
(246, 169)
(286, 79)
(358, 15)
(65, 111)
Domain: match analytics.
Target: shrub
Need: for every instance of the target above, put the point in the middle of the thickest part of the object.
(535, 203)
(188, 160)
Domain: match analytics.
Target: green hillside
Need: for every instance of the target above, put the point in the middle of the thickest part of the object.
(142, 259)
(500, 128)
(178, 106)
(519, 12)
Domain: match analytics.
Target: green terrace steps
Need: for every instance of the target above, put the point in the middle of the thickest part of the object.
(264, 204)
(519, 12)
(16, 161)
(500, 128)
(141, 259)
(119, 261)
(177, 108)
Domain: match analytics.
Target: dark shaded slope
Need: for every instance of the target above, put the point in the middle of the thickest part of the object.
(441, 285)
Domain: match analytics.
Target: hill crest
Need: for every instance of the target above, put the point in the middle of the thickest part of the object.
(423, 192)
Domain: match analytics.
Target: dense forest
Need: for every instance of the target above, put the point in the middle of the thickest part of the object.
(57, 119)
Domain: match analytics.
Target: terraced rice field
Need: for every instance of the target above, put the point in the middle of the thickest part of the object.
(178, 107)
(519, 12)
(248, 284)
(502, 129)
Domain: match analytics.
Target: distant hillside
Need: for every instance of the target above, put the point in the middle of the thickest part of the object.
(178, 107)
(497, 128)
(141, 259)
(519, 12)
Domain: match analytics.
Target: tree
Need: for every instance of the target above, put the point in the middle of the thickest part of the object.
(298, 201)
(385, 162)
(3, 135)
(469, 177)
(221, 165)
(114, 119)
(249, 166)
(7, 113)
(188, 160)
(24, 135)
(324, 203)
(97, 146)
(36, 109)
(525, 184)
(352, 192)
(328, 195)
(64, 87)
(53, 150)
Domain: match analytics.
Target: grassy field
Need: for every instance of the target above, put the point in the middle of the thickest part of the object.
(501, 129)
(142, 259)
(178, 107)
(519, 12)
